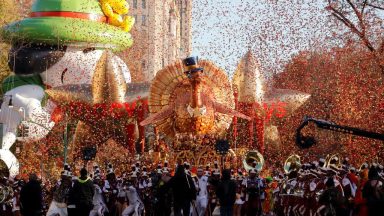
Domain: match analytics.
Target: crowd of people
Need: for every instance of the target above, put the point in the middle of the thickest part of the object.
(304, 189)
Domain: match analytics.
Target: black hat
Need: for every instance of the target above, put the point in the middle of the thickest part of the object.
(191, 64)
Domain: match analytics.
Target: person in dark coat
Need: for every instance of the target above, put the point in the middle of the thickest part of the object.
(162, 196)
(332, 199)
(226, 192)
(373, 192)
(31, 197)
(82, 193)
(71, 207)
(184, 191)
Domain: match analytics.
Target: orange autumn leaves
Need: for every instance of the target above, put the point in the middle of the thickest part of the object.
(346, 86)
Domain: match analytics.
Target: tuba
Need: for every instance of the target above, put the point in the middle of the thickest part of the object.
(363, 166)
(251, 157)
(292, 163)
(6, 194)
(333, 160)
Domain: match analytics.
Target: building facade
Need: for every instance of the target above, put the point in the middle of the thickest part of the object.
(162, 34)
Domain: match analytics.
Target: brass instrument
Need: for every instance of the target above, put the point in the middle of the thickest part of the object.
(333, 160)
(251, 157)
(6, 194)
(363, 166)
(292, 163)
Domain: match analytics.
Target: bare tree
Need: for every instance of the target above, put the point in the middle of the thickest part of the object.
(353, 14)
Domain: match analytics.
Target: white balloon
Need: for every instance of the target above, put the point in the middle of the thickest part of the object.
(75, 67)
(11, 161)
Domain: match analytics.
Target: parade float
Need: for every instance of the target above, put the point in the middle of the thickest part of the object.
(191, 108)
(191, 102)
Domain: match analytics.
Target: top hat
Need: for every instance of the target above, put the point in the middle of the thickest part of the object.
(81, 23)
(191, 64)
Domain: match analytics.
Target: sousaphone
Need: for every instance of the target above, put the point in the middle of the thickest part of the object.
(6, 194)
(333, 160)
(292, 163)
(253, 156)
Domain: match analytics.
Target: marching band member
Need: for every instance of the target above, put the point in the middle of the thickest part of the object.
(239, 193)
(254, 189)
(166, 168)
(268, 202)
(16, 198)
(207, 171)
(159, 169)
(110, 190)
(381, 172)
(213, 182)
(187, 166)
(60, 194)
(349, 183)
(135, 204)
(322, 162)
(99, 206)
(120, 197)
(145, 187)
(201, 183)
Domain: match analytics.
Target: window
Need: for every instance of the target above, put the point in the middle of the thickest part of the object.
(135, 16)
(143, 20)
(134, 3)
(144, 4)
(143, 65)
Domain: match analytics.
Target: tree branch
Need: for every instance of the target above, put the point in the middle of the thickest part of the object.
(353, 6)
(340, 16)
(364, 5)
(375, 6)
(359, 17)
(346, 21)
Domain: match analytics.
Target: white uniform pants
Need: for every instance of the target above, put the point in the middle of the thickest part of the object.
(132, 209)
(98, 210)
(57, 209)
(201, 204)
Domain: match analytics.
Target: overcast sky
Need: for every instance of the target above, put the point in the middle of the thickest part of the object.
(223, 30)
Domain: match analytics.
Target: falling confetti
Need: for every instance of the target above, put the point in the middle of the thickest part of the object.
(330, 50)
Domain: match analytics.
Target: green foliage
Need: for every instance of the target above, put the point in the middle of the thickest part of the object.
(9, 12)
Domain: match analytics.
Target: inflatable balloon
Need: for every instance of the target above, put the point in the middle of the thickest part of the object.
(59, 44)
(115, 11)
